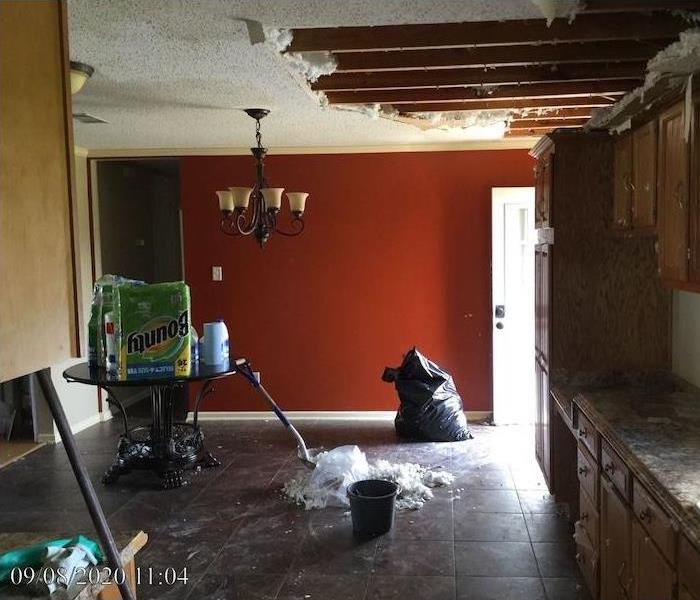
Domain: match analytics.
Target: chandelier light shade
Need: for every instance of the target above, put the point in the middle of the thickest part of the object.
(261, 219)
(79, 74)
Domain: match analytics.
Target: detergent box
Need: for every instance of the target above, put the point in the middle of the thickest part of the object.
(152, 330)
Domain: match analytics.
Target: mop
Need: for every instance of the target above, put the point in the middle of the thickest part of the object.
(308, 456)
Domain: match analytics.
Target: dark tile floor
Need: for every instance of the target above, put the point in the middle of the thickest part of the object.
(494, 534)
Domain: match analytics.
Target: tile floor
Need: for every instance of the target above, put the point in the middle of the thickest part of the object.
(495, 534)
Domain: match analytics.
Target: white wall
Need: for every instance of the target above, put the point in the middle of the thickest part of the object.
(686, 336)
(79, 401)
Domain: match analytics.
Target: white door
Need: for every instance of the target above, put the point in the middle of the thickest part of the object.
(513, 304)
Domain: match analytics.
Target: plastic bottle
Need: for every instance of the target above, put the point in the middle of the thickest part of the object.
(194, 346)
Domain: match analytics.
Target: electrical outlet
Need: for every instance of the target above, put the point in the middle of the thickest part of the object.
(256, 374)
(217, 274)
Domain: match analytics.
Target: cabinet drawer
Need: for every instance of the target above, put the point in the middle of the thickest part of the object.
(655, 521)
(588, 516)
(689, 568)
(588, 474)
(616, 470)
(587, 434)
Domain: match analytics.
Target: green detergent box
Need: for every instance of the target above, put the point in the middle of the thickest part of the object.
(152, 330)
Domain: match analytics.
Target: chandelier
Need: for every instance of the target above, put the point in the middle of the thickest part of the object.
(261, 220)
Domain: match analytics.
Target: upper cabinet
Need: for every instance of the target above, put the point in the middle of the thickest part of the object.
(643, 177)
(543, 189)
(634, 197)
(673, 196)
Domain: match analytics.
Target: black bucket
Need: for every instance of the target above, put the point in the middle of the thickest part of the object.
(372, 506)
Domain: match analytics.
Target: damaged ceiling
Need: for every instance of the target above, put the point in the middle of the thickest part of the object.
(175, 74)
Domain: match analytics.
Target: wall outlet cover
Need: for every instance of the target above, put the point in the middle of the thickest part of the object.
(217, 273)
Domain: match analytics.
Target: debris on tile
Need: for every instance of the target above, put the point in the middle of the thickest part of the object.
(338, 468)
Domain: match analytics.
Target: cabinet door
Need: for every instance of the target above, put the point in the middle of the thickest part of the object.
(615, 533)
(543, 190)
(694, 274)
(652, 576)
(539, 431)
(622, 196)
(644, 176)
(673, 195)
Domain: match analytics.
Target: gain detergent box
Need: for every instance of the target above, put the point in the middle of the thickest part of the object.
(152, 330)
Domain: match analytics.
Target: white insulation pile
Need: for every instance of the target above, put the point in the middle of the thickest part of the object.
(554, 9)
(335, 470)
(676, 64)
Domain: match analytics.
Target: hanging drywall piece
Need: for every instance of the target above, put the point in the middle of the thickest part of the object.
(554, 9)
(279, 39)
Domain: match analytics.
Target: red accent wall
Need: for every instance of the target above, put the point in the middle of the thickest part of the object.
(396, 252)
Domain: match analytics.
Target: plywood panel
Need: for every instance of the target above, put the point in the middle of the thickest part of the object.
(37, 315)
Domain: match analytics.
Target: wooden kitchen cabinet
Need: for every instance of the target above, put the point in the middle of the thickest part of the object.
(652, 577)
(688, 571)
(673, 196)
(622, 181)
(543, 189)
(643, 183)
(615, 543)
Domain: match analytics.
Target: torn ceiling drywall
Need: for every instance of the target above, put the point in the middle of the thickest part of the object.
(554, 9)
(177, 74)
(671, 67)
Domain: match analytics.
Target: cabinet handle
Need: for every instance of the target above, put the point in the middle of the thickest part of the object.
(645, 515)
(584, 516)
(609, 468)
(582, 433)
(583, 470)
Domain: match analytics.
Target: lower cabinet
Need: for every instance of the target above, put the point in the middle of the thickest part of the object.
(652, 577)
(615, 540)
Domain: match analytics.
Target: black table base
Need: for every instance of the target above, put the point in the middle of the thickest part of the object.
(166, 447)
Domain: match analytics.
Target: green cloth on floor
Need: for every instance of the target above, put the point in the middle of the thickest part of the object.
(33, 556)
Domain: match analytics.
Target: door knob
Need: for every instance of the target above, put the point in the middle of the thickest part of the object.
(499, 325)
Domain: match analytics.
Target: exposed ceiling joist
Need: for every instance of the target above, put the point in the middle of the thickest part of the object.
(585, 28)
(544, 54)
(547, 122)
(585, 104)
(614, 87)
(527, 113)
(611, 6)
(492, 76)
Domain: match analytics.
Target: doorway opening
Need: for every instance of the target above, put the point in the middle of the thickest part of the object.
(513, 304)
(137, 228)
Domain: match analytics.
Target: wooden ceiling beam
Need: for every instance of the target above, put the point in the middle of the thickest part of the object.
(568, 104)
(491, 76)
(584, 28)
(484, 56)
(615, 87)
(612, 6)
(534, 113)
(527, 123)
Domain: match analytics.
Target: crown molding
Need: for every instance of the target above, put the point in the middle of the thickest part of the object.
(525, 143)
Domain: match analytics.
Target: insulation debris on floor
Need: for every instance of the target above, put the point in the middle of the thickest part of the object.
(336, 469)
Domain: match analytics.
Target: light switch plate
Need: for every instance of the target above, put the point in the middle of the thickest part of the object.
(216, 274)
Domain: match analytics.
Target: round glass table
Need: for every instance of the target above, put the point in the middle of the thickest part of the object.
(165, 446)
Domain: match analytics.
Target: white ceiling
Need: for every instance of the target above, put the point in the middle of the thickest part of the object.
(173, 73)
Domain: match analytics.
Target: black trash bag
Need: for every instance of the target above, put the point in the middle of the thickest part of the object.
(431, 408)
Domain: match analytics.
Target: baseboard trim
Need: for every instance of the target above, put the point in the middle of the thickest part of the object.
(320, 415)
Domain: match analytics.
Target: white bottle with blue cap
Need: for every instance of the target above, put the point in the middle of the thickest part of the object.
(215, 345)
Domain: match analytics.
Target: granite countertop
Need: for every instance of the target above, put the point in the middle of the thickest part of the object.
(653, 422)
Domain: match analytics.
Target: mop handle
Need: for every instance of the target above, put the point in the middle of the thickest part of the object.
(247, 372)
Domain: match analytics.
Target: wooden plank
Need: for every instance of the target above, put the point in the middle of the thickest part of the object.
(610, 6)
(491, 76)
(547, 122)
(551, 90)
(573, 103)
(542, 54)
(546, 113)
(585, 28)
(37, 324)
